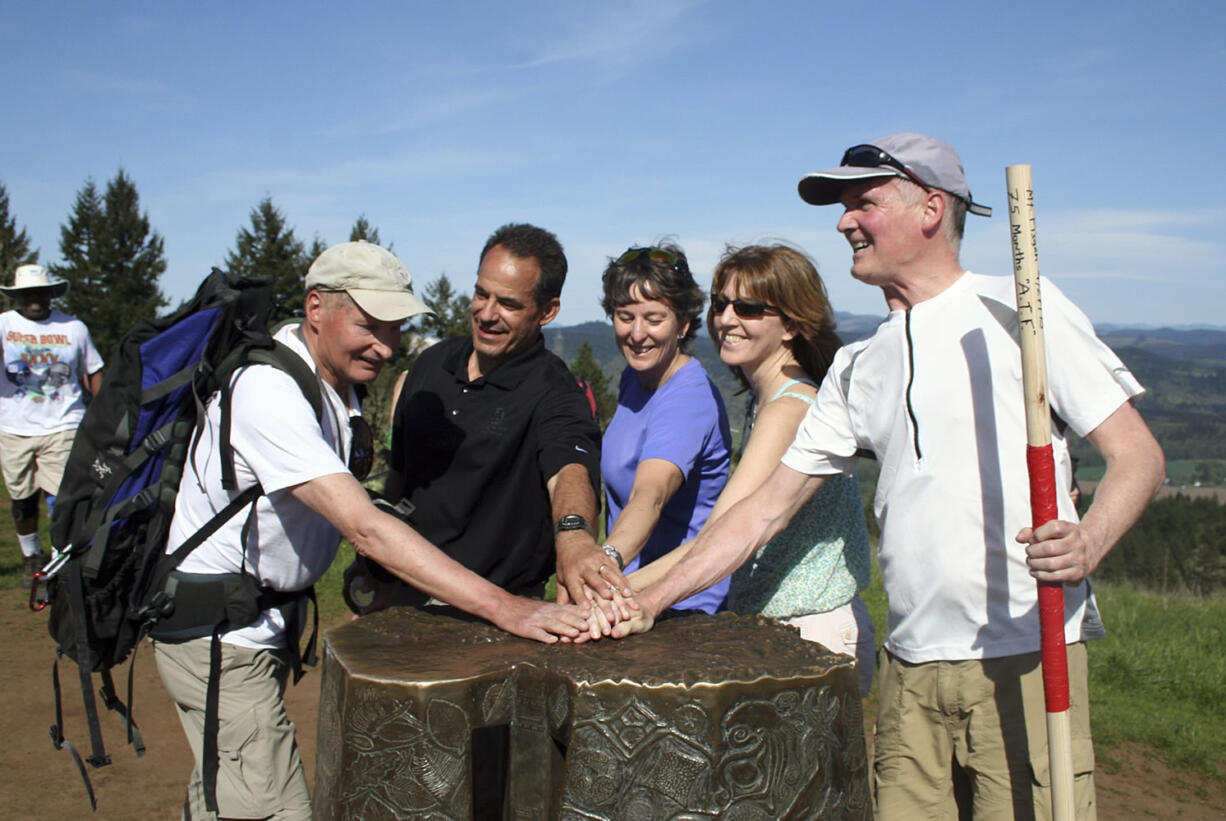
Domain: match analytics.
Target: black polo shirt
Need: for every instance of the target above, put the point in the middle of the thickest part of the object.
(475, 457)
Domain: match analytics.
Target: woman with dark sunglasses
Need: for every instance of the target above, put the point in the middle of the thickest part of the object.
(665, 455)
(774, 328)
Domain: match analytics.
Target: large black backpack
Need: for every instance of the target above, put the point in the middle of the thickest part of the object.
(108, 576)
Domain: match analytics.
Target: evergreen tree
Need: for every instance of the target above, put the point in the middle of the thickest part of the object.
(451, 311)
(14, 244)
(317, 247)
(270, 249)
(584, 366)
(113, 261)
(362, 229)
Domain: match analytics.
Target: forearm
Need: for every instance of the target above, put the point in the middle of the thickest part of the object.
(655, 482)
(724, 545)
(403, 552)
(397, 547)
(1121, 497)
(653, 572)
(634, 526)
(571, 491)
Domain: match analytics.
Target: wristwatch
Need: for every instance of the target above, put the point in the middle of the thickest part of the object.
(612, 553)
(573, 521)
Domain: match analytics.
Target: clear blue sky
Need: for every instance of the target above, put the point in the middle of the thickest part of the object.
(613, 124)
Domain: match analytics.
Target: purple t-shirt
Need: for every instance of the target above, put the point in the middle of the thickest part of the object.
(683, 422)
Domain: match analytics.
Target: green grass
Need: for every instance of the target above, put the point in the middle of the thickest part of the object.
(328, 589)
(1159, 678)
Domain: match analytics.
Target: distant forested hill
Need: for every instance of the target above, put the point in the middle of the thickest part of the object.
(1184, 372)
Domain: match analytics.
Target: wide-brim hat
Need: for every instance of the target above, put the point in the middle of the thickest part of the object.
(34, 276)
(933, 163)
(372, 276)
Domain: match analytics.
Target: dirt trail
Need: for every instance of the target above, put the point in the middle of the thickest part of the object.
(42, 783)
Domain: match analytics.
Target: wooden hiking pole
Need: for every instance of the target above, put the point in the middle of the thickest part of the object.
(1042, 482)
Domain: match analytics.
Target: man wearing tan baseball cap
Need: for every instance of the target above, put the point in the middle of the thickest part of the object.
(358, 297)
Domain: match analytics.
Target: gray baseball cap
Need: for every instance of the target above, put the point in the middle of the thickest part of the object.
(372, 276)
(917, 157)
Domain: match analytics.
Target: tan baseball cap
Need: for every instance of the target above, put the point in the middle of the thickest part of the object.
(372, 276)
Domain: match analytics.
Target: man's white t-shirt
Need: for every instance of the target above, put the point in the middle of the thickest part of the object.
(936, 394)
(43, 365)
(278, 442)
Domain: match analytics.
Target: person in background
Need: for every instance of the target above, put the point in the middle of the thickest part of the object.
(774, 328)
(665, 455)
(51, 367)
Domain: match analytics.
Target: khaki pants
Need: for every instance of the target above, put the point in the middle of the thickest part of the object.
(260, 773)
(989, 716)
(33, 462)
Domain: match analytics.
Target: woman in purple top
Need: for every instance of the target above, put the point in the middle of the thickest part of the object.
(665, 455)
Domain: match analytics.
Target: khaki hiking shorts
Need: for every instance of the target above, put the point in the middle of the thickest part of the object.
(33, 462)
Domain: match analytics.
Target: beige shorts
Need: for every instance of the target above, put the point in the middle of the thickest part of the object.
(33, 462)
(990, 717)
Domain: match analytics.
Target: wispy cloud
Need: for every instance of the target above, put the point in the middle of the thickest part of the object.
(618, 35)
(1112, 244)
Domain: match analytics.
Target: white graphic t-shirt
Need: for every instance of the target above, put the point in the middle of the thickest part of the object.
(43, 364)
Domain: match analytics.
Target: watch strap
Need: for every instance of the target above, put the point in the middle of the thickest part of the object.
(573, 521)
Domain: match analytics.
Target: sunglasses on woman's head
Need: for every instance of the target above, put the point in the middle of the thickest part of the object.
(744, 308)
(361, 448)
(654, 254)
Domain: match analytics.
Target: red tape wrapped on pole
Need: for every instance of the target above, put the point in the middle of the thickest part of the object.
(1051, 595)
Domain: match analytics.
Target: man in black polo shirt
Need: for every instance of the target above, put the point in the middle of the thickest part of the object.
(493, 442)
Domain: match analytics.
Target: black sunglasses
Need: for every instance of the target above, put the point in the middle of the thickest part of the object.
(743, 308)
(655, 254)
(870, 156)
(361, 448)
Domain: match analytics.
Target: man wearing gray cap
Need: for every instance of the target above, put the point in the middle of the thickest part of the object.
(358, 296)
(935, 394)
(49, 363)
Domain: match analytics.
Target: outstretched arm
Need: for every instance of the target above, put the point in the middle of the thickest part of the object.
(772, 434)
(725, 545)
(342, 501)
(655, 482)
(1067, 552)
(581, 562)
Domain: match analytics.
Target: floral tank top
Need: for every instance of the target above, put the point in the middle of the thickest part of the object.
(819, 562)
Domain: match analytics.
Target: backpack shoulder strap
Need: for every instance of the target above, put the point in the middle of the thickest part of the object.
(282, 357)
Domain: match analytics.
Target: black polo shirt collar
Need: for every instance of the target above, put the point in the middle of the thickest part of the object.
(507, 375)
